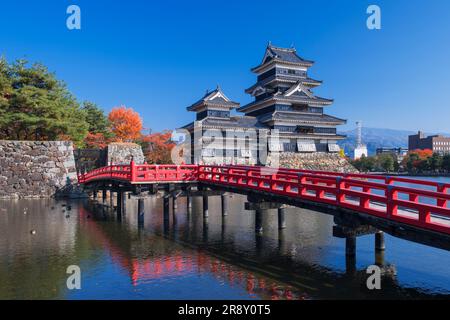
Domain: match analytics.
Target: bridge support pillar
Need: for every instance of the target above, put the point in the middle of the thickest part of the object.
(205, 206)
(350, 246)
(166, 212)
(224, 199)
(260, 206)
(379, 258)
(94, 195)
(174, 203)
(104, 196)
(350, 265)
(281, 218)
(259, 221)
(205, 231)
(174, 209)
(111, 199)
(188, 202)
(121, 203)
(379, 241)
(141, 211)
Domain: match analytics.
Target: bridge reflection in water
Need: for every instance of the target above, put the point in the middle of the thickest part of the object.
(286, 264)
(150, 257)
(196, 258)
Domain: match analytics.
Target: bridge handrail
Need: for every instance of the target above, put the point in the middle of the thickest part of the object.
(339, 189)
(386, 179)
(135, 173)
(377, 195)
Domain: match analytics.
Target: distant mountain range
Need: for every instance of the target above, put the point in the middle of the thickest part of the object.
(376, 138)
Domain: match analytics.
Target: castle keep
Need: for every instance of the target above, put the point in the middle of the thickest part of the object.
(284, 117)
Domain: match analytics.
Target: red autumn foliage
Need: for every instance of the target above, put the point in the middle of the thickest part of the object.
(96, 141)
(158, 147)
(126, 124)
(423, 154)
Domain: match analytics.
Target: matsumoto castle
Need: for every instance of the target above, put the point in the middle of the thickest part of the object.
(285, 116)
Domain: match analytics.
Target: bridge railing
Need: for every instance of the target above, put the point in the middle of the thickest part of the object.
(374, 195)
(120, 172)
(416, 202)
(142, 173)
(163, 173)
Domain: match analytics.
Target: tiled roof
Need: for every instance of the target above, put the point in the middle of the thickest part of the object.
(244, 122)
(286, 54)
(291, 116)
(283, 78)
(216, 97)
(303, 99)
(234, 122)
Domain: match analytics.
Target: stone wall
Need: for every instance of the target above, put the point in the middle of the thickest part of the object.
(36, 168)
(121, 153)
(311, 161)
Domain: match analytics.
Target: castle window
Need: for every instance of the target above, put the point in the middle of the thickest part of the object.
(305, 130)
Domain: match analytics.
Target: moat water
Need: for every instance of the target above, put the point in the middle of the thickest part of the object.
(197, 259)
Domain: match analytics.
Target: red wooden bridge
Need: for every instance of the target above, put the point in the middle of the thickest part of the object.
(391, 203)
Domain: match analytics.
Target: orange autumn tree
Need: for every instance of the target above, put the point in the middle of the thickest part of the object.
(126, 124)
(96, 141)
(158, 147)
(423, 153)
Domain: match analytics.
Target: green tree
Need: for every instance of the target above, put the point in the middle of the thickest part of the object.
(435, 162)
(446, 162)
(365, 164)
(97, 120)
(386, 162)
(5, 90)
(34, 105)
(412, 161)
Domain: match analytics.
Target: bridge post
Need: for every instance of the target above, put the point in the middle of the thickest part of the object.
(111, 198)
(224, 199)
(258, 221)
(282, 244)
(174, 202)
(205, 231)
(350, 246)
(94, 195)
(132, 170)
(442, 188)
(379, 258)
(281, 218)
(104, 196)
(205, 206)
(223, 228)
(350, 265)
(379, 241)
(188, 202)
(141, 212)
(174, 209)
(166, 212)
(121, 202)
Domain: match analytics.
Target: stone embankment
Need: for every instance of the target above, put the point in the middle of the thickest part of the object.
(36, 169)
(121, 153)
(311, 161)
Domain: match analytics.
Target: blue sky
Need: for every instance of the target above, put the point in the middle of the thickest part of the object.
(160, 56)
